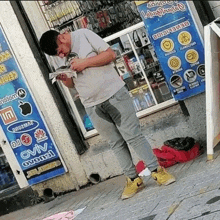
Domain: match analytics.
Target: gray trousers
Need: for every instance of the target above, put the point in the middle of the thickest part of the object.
(116, 121)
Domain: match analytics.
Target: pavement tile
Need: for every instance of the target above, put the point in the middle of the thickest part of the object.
(197, 183)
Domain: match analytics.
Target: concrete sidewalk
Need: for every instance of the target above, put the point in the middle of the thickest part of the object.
(195, 195)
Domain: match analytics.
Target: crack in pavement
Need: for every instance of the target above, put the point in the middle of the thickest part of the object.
(174, 209)
(205, 213)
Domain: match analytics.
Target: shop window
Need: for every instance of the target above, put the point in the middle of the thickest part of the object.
(140, 69)
(119, 24)
(137, 64)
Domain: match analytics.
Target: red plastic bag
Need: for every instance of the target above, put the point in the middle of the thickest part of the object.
(167, 156)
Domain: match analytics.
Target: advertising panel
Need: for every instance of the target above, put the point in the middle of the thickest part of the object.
(22, 122)
(178, 45)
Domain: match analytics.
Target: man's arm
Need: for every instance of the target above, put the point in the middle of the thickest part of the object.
(101, 59)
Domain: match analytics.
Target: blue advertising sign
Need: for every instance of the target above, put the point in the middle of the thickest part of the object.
(22, 122)
(178, 45)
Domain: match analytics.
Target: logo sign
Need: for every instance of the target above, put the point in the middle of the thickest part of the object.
(23, 124)
(26, 139)
(16, 143)
(26, 108)
(40, 135)
(8, 116)
(21, 93)
(178, 45)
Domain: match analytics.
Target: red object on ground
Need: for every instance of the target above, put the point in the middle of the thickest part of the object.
(140, 166)
(168, 156)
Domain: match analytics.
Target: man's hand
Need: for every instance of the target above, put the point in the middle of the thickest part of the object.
(62, 77)
(78, 65)
(101, 59)
(68, 82)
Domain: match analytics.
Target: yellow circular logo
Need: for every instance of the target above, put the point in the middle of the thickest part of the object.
(174, 63)
(191, 56)
(167, 45)
(184, 38)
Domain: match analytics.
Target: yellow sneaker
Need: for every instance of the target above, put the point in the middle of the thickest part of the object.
(163, 177)
(132, 187)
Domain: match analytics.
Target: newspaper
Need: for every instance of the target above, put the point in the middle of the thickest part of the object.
(62, 70)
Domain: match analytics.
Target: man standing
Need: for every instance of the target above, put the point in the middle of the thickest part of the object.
(106, 100)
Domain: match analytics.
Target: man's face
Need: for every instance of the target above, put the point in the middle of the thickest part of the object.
(64, 45)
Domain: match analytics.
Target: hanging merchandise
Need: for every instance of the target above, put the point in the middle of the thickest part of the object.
(136, 38)
(112, 15)
(60, 15)
(102, 17)
(178, 45)
(107, 18)
(76, 8)
(84, 22)
(91, 22)
(65, 9)
(51, 16)
(144, 37)
(119, 11)
(71, 10)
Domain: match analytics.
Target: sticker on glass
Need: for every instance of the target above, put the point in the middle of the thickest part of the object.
(174, 63)
(201, 70)
(167, 45)
(192, 56)
(190, 75)
(176, 81)
(184, 38)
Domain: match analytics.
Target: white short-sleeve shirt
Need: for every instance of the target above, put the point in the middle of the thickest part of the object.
(95, 84)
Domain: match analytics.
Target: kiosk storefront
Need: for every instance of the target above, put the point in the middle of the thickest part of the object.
(155, 75)
(157, 89)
